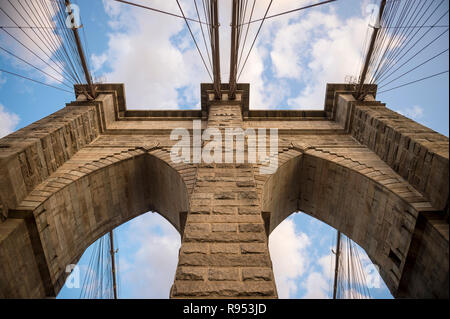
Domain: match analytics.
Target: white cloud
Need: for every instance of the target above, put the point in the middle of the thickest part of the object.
(330, 50)
(298, 54)
(156, 59)
(8, 121)
(266, 91)
(327, 264)
(98, 61)
(415, 113)
(150, 270)
(289, 257)
(153, 56)
(316, 286)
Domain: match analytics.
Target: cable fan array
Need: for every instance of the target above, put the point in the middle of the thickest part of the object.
(37, 35)
(211, 23)
(207, 16)
(408, 35)
(350, 277)
(99, 281)
(202, 13)
(40, 36)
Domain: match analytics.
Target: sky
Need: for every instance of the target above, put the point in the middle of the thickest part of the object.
(292, 60)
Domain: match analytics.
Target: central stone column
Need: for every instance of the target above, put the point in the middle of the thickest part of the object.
(224, 251)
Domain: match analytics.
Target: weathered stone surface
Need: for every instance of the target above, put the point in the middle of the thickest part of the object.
(20, 274)
(224, 227)
(191, 248)
(251, 228)
(253, 248)
(257, 274)
(226, 237)
(190, 273)
(225, 210)
(233, 289)
(222, 274)
(224, 248)
(249, 211)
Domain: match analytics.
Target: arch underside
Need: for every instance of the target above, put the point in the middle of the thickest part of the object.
(379, 218)
(64, 215)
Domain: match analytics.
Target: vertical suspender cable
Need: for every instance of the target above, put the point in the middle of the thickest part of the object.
(234, 49)
(113, 263)
(336, 266)
(215, 47)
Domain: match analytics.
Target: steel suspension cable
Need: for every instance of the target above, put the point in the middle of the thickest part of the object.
(290, 11)
(384, 74)
(193, 38)
(396, 57)
(33, 66)
(30, 79)
(412, 82)
(245, 37)
(203, 35)
(254, 40)
(416, 67)
(159, 11)
(32, 52)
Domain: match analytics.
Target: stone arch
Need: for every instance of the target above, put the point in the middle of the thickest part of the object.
(383, 218)
(74, 207)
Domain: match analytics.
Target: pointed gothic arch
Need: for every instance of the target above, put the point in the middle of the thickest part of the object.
(99, 197)
(380, 219)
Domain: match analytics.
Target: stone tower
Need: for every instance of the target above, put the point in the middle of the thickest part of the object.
(373, 174)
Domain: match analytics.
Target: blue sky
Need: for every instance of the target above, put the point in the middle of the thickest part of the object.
(293, 59)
